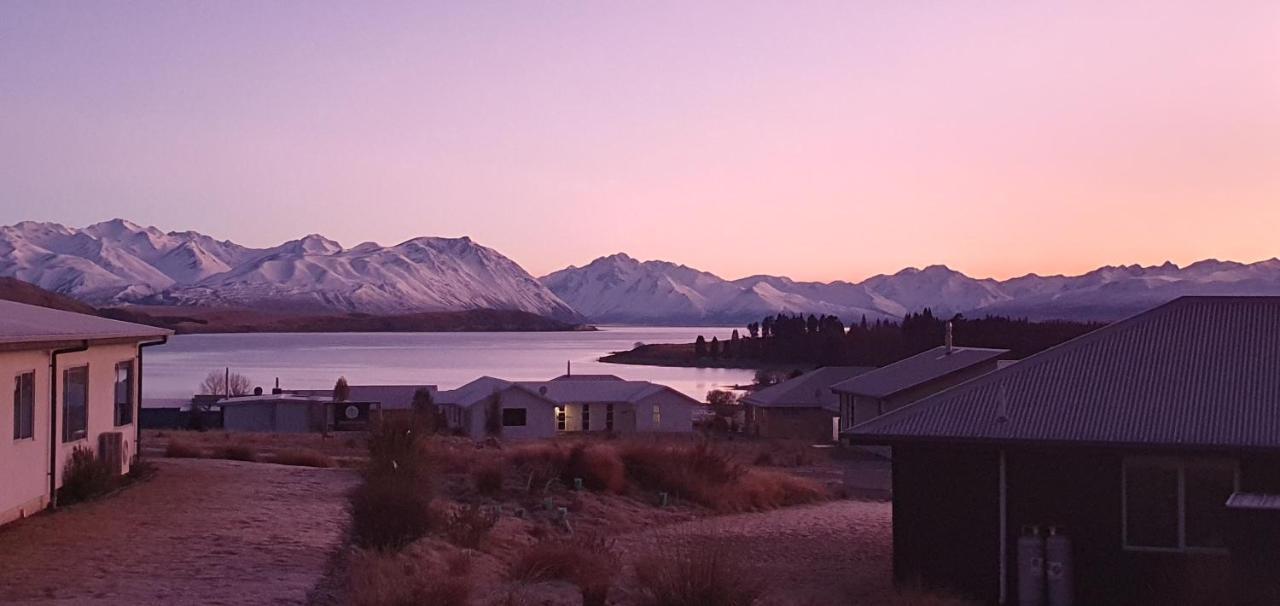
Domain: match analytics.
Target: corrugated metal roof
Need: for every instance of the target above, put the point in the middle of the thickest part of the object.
(916, 370)
(22, 323)
(809, 390)
(588, 378)
(592, 391)
(472, 392)
(390, 396)
(1200, 372)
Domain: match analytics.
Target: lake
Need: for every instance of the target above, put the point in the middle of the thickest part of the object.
(316, 360)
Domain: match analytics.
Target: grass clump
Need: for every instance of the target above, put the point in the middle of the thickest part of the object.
(85, 476)
(703, 574)
(236, 452)
(178, 449)
(587, 562)
(598, 465)
(390, 579)
(303, 457)
(488, 479)
(468, 526)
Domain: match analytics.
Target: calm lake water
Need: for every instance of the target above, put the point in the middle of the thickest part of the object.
(316, 360)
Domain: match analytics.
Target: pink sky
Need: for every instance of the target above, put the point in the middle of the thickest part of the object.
(817, 140)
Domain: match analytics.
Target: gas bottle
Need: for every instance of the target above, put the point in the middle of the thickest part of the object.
(1058, 570)
(1031, 567)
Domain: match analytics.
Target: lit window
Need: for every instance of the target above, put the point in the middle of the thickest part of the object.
(1176, 505)
(75, 404)
(124, 393)
(24, 405)
(560, 421)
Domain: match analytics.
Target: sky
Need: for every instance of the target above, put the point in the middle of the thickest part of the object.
(816, 140)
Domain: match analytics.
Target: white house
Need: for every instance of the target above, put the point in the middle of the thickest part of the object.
(542, 409)
(76, 380)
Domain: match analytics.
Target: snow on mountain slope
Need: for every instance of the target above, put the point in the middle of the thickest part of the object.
(621, 289)
(120, 262)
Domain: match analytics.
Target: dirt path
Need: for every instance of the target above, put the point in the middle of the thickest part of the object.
(832, 553)
(199, 532)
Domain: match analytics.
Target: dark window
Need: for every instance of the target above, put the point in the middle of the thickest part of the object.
(124, 393)
(1176, 504)
(75, 404)
(608, 417)
(1151, 506)
(514, 417)
(586, 417)
(1206, 492)
(24, 405)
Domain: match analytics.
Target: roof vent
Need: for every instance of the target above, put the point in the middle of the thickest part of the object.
(542, 391)
(1002, 405)
(950, 341)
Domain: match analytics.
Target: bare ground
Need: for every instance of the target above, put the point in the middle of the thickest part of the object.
(199, 532)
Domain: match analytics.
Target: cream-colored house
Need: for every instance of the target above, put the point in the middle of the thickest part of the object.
(568, 404)
(76, 381)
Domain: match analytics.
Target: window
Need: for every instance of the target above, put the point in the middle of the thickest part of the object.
(75, 404)
(586, 417)
(1175, 504)
(657, 416)
(514, 417)
(24, 406)
(560, 418)
(608, 417)
(124, 393)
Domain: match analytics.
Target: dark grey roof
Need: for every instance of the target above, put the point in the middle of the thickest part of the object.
(22, 323)
(588, 378)
(809, 390)
(1253, 500)
(916, 370)
(1199, 372)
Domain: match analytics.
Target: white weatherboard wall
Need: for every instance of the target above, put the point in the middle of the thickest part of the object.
(24, 464)
(675, 412)
(540, 416)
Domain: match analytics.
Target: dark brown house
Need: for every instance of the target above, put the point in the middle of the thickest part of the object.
(802, 407)
(1152, 445)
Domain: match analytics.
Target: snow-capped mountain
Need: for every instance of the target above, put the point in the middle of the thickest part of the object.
(621, 289)
(117, 262)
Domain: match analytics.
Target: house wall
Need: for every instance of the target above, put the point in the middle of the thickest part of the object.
(676, 413)
(540, 419)
(249, 416)
(24, 464)
(790, 422)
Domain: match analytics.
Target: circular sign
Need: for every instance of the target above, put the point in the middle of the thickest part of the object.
(352, 412)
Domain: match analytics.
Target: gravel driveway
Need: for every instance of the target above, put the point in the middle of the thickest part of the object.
(199, 532)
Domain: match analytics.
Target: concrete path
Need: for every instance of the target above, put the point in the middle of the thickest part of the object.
(199, 532)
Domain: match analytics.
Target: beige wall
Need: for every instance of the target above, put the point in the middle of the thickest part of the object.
(540, 420)
(24, 464)
(676, 413)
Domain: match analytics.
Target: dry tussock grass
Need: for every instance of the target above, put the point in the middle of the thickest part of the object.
(701, 574)
(378, 578)
(587, 562)
(302, 457)
(179, 449)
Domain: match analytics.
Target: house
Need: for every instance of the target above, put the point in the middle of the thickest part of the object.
(542, 409)
(76, 380)
(890, 387)
(1151, 448)
(390, 397)
(803, 407)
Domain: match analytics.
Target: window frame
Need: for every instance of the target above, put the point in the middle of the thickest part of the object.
(608, 417)
(1180, 465)
(586, 417)
(68, 438)
(133, 395)
(657, 416)
(524, 417)
(17, 419)
(562, 418)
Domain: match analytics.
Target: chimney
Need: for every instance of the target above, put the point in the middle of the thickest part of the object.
(276, 390)
(950, 341)
(568, 368)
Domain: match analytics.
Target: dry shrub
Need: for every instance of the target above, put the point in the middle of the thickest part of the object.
(389, 579)
(599, 466)
(303, 457)
(540, 463)
(703, 574)
(84, 477)
(394, 447)
(488, 478)
(468, 526)
(711, 477)
(392, 507)
(236, 452)
(587, 562)
(178, 449)
(446, 455)
(761, 489)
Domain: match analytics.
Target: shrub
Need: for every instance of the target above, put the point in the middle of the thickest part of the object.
(178, 449)
(387, 579)
(303, 457)
(587, 562)
(84, 477)
(470, 525)
(488, 479)
(704, 574)
(599, 466)
(389, 510)
(699, 474)
(540, 463)
(236, 452)
(394, 447)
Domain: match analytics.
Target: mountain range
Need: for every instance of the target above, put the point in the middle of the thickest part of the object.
(621, 289)
(118, 263)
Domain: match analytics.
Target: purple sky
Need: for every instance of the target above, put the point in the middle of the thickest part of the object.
(817, 140)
